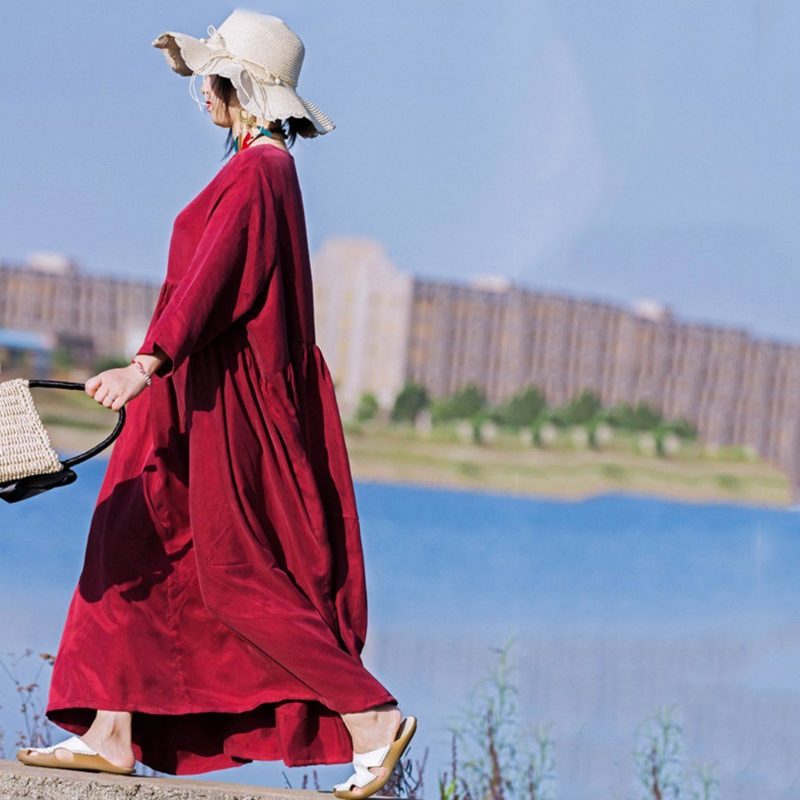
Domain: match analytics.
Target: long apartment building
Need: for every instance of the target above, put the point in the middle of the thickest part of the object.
(380, 326)
(735, 388)
(89, 315)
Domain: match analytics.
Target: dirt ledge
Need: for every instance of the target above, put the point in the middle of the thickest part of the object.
(22, 782)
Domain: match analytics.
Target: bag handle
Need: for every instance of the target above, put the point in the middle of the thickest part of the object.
(54, 384)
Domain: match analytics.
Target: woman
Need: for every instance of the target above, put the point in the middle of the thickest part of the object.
(221, 610)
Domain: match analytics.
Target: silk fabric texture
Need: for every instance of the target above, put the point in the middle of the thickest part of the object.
(222, 597)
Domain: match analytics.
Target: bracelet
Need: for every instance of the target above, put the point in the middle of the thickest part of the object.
(142, 370)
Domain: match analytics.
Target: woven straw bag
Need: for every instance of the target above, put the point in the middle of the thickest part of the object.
(28, 463)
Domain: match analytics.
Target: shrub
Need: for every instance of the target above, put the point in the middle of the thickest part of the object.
(367, 407)
(464, 404)
(523, 408)
(409, 402)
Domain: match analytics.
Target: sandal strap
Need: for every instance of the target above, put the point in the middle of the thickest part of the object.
(361, 777)
(74, 744)
(362, 762)
(372, 758)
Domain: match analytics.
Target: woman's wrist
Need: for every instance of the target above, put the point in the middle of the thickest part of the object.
(137, 365)
(151, 362)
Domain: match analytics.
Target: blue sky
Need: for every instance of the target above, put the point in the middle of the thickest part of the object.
(614, 150)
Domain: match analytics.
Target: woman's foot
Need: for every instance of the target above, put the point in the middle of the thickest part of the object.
(109, 735)
(371, 729)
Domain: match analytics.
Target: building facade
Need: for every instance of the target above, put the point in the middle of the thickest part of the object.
(93, 315)
(736, 389)
(362, 306)
(380, 326)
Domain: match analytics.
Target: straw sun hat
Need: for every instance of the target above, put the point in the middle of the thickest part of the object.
(260, 54)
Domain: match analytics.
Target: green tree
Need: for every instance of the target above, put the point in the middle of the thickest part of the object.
(645, 417)
(522, 409)
(468, 401)
(584, 407)
(367, 407)
(412, 398)
(641, 417)
(578, 411)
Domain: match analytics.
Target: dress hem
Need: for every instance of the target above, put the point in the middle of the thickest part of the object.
(194, 763)
(144, 708)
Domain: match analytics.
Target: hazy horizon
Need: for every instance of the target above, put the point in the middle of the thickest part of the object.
(615, 152)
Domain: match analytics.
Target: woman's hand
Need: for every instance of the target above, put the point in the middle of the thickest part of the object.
(114, 387)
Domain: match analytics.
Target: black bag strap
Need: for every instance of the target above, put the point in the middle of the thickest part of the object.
(53, 384)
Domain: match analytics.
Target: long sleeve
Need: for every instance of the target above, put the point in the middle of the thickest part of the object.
(228, 272)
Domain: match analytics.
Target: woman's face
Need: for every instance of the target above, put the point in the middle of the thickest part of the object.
(215, 105)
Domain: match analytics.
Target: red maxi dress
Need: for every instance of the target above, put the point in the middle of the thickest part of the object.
(222, 598)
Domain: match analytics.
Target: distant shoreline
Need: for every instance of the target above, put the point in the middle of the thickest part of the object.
(400, 455)
(391, 457)
(563, 475)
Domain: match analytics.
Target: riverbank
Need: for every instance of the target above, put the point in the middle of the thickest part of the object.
(396, 457)
(401, 455)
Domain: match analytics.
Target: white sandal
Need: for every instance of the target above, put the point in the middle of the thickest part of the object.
(83, 757)
(386, 756)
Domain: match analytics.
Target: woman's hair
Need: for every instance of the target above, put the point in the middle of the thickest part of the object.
(291, 126)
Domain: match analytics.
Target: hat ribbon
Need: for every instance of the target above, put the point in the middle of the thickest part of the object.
(221, 53)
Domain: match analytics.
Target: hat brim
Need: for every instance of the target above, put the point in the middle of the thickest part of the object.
(188, 56)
